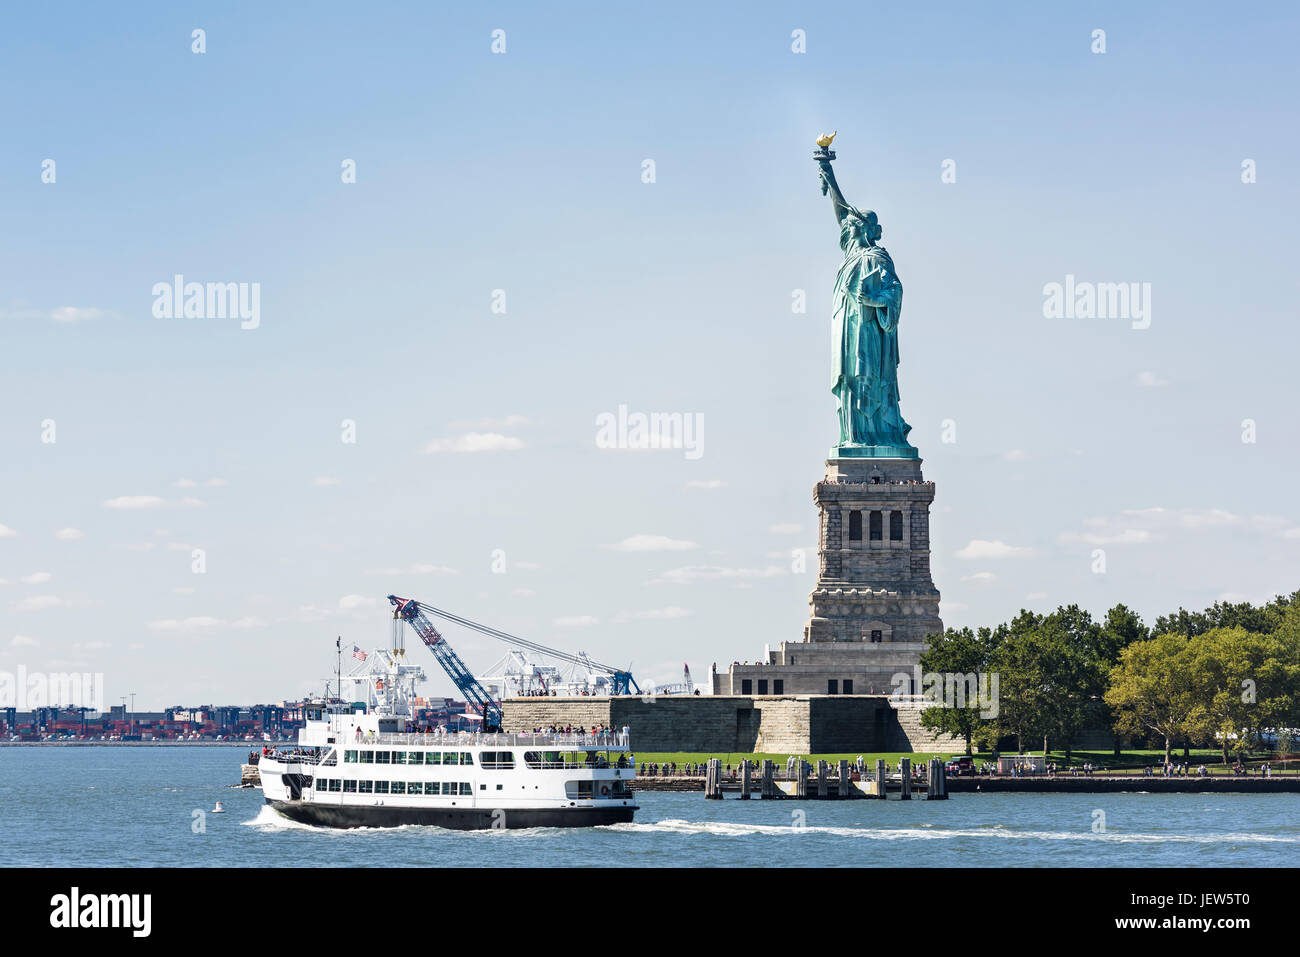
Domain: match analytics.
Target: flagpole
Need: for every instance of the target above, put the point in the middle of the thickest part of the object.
(338, 645)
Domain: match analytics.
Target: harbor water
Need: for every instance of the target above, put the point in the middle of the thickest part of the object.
(152, 806)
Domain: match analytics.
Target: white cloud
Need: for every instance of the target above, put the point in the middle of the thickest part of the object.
(351, 602)
(651, 543)
(135, 501)
(75, 314)
(1016, 455)
(1128, 536)
(528, 566)
(323, 481)
(575, 621)
(509, 422)
(7, 532)
(23, 641)
(249, 621)
(1291, 533)
(476, 442)
(1149, 380)
(1036, 596)
(653, 614)
(706, 483)
(979, 577)
(523, 592)
(980, 549)
(788, 528)
(69, 534)
(35, 578)
(193, 623)
(697, 573)
(186, 483)
(433, 570)
(39, 603)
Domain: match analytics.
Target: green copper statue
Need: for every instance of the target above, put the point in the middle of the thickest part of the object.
(864, 332)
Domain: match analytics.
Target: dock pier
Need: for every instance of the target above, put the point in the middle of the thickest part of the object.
(824, 783)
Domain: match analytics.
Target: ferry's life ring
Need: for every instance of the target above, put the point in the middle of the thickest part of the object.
(604, 790)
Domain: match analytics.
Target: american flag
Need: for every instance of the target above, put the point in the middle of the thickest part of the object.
(358, 654)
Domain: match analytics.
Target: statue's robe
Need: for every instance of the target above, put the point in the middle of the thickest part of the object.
(864, 340)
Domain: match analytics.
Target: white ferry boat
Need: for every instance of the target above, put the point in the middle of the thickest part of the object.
(361, 769)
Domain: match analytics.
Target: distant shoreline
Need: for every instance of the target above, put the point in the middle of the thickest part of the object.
(245, 745)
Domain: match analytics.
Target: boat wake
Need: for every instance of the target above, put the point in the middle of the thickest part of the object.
(999, 832)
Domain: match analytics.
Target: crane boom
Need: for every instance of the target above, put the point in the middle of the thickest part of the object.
(623, 681)
(475, 694)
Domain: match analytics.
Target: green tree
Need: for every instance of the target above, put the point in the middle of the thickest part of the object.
(959, 653)
(1152, 688)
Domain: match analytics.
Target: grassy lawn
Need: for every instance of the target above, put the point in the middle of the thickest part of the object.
(1101, 760)
(735, 758)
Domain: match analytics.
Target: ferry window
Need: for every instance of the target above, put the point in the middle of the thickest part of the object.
(414, 787)
(367, 757)
(433, 757)
(465, 788)
(398, 787)
(383, 757)
(399, 757)
(415, 757)
(350, 787)
(365, 787)
(349, 757)
(533, 759)
(466, 758)
(482, 787)
(578, 789)
(499, 760)
(876, 522)
(381, 787)
(336, 784)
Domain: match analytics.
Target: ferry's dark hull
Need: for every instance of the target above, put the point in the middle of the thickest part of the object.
(460, 819)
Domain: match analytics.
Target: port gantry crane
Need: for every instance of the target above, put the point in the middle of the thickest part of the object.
(416, 614)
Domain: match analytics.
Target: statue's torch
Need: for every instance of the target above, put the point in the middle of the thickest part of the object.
(823, 155)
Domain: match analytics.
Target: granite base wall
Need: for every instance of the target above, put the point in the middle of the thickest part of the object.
(787, 724)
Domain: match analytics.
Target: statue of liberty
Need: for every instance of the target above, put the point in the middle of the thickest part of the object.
(864, 331)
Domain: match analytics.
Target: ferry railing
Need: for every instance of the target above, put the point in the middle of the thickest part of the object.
(611, 740)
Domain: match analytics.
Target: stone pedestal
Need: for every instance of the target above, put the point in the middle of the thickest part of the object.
(875, 603)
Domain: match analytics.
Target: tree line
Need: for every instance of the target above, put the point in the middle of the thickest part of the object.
(1226, 677)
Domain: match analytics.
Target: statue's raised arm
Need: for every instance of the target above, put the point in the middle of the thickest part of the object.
(823, 155)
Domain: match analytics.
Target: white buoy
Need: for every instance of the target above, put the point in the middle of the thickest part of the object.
(218, 809)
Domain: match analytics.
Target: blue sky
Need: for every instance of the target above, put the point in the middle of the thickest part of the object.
(522, 172)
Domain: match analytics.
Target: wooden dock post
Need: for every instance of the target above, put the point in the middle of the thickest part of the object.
(769, 785)
(905, 772)
(745, 767)
(822, 791)
(801, 779)
(938, 782)
(846, 786)
(882, 791)
(713, 779)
